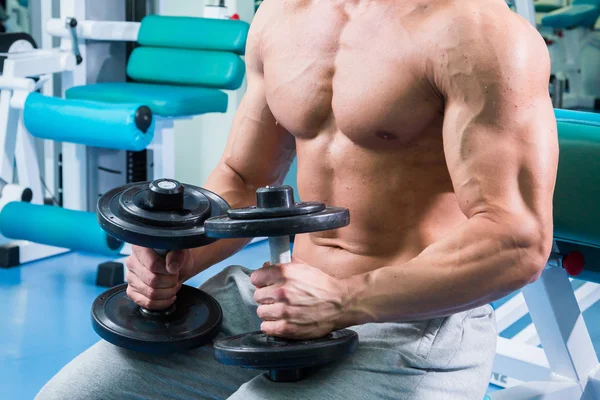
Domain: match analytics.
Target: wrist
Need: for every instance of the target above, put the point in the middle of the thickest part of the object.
(354, 305)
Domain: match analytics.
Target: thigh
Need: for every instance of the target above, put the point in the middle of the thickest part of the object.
(447, 358)
(108, 372)
(465, 372)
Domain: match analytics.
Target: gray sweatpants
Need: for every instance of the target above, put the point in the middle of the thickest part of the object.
(445, 358)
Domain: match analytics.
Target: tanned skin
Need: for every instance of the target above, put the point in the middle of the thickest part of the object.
(430, 120)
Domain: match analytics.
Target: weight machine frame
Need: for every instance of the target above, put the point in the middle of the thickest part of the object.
(566, 367)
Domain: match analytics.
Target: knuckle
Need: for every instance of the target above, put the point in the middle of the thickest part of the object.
(154, 265)
(153, 280)
(282, 293)
(284, 269)
(284, 312)
(151, 293)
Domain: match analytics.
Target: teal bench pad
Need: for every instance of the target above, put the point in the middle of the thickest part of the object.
(213, 69)
(163, 100)
(546, 7)
(194, 33)
(91, 123)
(583, 13)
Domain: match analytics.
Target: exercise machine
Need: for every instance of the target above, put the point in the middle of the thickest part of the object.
(566, 365)
(108, 35)
(15, 16)
(575, 49)
(25, 69)
(181, 67)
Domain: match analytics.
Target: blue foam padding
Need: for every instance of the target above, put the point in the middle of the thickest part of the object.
(110, 126)
(56, 226)
(164, 100)
(577, 117)
(194, 33)
(576, 15)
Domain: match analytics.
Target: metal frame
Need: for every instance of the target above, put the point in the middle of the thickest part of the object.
(566, 61)
(96, 30)
(566, 366)
(17, 144)
(573, 42)
(74, 156)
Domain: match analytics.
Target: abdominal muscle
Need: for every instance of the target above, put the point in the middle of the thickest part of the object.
(400, 199)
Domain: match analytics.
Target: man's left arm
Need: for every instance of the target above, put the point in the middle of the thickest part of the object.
(501, 149)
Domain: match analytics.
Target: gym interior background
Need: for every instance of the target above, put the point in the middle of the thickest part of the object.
(45, 296)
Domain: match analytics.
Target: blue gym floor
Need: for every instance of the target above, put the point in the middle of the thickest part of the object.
(45, 316)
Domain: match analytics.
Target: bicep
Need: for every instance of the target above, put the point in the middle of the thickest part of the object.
(258, 148)
(501, 143)
(503, 168)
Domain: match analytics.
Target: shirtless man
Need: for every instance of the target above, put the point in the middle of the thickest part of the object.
(431, 121)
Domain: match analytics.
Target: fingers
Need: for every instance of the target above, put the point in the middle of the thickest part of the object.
(151, 292)
(175, 260)
(149, 278)
(145, 302)
(150, 260)
(270, 295)
(273, 312)
(266, 276)
(285, 329)
(147, 296)
(150, 285)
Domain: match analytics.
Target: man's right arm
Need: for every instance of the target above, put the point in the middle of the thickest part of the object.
(258, 151)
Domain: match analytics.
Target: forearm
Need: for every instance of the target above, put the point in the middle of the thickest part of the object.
(482, 261)
(228, 184)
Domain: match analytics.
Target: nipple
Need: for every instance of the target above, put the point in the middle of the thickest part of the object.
(386, 135)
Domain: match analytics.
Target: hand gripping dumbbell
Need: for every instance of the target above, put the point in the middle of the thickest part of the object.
(277, 216)
(163, 215)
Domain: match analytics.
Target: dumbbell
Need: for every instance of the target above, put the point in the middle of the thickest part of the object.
(277, 216)
(163, 215)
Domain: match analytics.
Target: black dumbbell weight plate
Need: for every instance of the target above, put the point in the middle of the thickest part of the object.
(193, 321)
(256, 350)
(224, 227)
(128, 213)
(273, 212)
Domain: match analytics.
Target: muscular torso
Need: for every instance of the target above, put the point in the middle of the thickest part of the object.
(352, 85)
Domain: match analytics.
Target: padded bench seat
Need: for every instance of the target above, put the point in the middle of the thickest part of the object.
(576, 210)
(577, 15)
(163, 100)
(546, 7)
